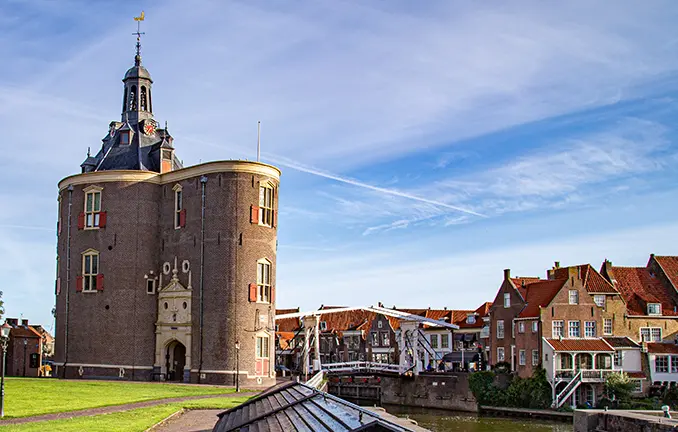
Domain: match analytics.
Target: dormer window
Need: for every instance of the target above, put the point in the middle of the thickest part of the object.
(654, 309)
(124, 138)
(470, 319)
(323, 325)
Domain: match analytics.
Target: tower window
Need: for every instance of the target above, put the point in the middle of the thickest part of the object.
(150, 286)
(90, 270)
(143, 98)
(92, 208)
(264, 281)
(179, 212)
(124, 138)
(124, 101)
(132, 98)
(266, 205)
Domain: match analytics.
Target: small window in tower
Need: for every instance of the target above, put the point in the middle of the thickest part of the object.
(124, 138)
(92, 208)
(133, 98)
(90, 270)
(150, 286)
(143, 98)
(179, 214)
(264, 281)
(265, 205)
(124, 101)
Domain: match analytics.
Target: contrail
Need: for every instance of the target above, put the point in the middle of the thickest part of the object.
(352, 182)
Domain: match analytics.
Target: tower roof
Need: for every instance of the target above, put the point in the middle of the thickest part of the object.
(137, 71)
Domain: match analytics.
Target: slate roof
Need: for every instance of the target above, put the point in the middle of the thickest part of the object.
(670, 266)
(539, 294)
(621, 342)
(662, 348)
(293, 406)
(639, 287)
(587, 345)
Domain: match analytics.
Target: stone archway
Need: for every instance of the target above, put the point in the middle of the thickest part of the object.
(175, 360)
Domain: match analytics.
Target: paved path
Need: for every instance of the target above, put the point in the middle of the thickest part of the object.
(116, 408)
(190, 421)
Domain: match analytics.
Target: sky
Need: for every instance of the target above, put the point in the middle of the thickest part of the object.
(425, 146)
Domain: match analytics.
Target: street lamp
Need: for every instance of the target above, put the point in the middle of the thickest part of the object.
(4, 339)
(237, 366)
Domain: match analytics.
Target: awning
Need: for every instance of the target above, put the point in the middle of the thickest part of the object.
(455, 357)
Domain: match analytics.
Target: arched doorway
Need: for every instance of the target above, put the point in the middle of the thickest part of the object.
(175, 360)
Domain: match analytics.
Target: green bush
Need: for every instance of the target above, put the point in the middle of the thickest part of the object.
(482, 386)
(618, 387)
(533, 392)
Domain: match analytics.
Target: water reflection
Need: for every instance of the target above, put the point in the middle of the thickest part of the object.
(447, 421)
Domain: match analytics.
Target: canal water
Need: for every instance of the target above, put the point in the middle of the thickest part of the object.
(452, 421)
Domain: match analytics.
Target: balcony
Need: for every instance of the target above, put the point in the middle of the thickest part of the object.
(588, 375)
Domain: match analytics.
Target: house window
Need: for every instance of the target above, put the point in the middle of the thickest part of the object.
(444, 341)
(637, 386)
(385, 339)
(565, 361)
(507, 300)
(674, 364)
(651, 334)
(618, 355)
(92, 208)
(323, 325)
(375, 339)
(599, 300)
(179, 214)
(590, 329)
(90, 270)
(574, 297)
(266, 205)
(607, 326)
(150, 286)
(434, 341)
(661, 364)
(500, 354)
(471, 319)
(573, 329)
(535, 326)
(535, 357)
(380, 324)
(500, 329)
(521, 327)
(557, 329)
(521, 357)
(654, 309)
(263, 281)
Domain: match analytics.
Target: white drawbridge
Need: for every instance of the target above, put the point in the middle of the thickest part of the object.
(412, 341)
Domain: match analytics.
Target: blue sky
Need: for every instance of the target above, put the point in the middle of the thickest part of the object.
(425, 146)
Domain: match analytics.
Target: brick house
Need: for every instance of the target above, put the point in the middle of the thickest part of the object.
(24, 349)
(164, 271)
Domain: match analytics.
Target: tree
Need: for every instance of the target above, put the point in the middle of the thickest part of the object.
(618, 386)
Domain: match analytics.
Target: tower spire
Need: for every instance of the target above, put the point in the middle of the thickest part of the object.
(137, 57)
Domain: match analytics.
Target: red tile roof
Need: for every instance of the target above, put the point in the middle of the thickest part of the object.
(521, 283)
(662, 348)
(284, 339)
(636, 374)
(621, 342)
(639, 287)
(587, 345)
(286, 311)
(539, 294)
(288, 324)
(670, 266)
(594, 282)
(24, 332)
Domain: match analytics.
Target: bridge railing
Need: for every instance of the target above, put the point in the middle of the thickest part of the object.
(316, 380)
(361, 366)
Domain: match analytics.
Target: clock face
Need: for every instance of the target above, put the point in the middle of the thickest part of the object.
(149, 128)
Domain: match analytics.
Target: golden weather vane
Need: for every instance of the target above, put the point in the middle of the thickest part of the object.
(139, 32)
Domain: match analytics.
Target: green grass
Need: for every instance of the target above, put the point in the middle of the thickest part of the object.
(133, 420)
(35, 396)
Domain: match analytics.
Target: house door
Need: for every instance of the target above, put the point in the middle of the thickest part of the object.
(175, 361)
(262, 362)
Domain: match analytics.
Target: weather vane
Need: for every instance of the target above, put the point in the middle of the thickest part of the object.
(139, 33)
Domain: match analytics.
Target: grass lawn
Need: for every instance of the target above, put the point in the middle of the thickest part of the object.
(133, 420)
(34, 396)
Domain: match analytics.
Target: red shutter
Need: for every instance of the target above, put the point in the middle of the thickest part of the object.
(273, 294)
(81, 220)
(182, 218)
(275, 218)
(78, 284)
(102, 219)
(253, 292)
(254, 214)
(100, 282)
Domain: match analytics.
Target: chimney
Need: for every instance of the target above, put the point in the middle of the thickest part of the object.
(24, 323)
(12, 321)
(556, 264)
(507, 274)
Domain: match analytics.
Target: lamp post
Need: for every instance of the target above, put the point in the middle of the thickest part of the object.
(237, 366)
(4, 339)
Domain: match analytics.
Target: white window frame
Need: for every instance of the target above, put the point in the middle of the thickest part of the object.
(178, 205)
(263, 281)
(521, 327)
(571, 326)
(607, 321)
(500, 329)
(535, 357)
(618, 358)
(573, 297)
(385, 339)
(657, 306)
(560, 326)
(444, 341)
(375, 338)
(266, 204)
(90, 270)
(507, 300)
(380, 324)
(535, 326)
(323, 325)
(262, 347)
(589, 329)
(599, 299)
(93, 212)
(673, 364)
(434, 341)
(664, 358)
(521, 357)
(500, 354)
(652, 333)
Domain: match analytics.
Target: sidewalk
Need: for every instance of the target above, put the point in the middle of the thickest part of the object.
(116, 408)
